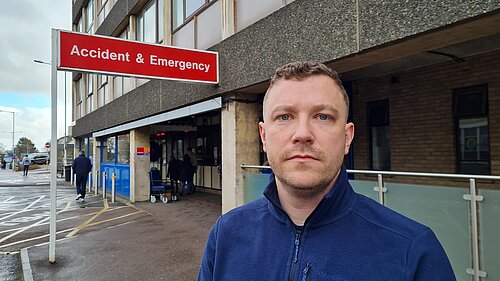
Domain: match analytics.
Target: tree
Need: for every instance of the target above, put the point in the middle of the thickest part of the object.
(24, 146)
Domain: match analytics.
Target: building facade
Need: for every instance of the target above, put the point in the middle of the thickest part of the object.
(423, 79)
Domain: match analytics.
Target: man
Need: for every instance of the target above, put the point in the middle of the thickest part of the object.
(26, 165)
(81, 167)
(194, 164)
(173, 172)
(311, 225)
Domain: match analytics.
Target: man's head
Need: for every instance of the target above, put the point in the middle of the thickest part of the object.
(82, 153)
(305, 131)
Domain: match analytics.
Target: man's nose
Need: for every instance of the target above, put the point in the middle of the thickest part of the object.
(303, 132)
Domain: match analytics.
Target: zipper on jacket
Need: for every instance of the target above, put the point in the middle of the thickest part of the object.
(305, 272)
(295, 256)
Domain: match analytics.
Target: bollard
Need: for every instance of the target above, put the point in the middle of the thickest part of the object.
(96, 183)
(103, 185)
(113, 187)
(72, 177)
(89, 189)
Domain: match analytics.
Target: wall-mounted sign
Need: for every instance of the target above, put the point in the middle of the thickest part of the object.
(142, 151)
(109, 55)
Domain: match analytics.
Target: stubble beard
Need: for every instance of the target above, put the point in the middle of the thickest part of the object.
(319, 177)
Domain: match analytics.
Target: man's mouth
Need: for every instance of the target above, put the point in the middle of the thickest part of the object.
(302, 157)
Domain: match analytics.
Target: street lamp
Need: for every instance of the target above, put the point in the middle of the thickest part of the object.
(65, 128)
(13, 127)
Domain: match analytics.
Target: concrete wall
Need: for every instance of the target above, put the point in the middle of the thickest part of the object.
(240, 145)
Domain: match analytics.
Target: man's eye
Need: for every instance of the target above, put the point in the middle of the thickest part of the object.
(323, 117)
(284, 117)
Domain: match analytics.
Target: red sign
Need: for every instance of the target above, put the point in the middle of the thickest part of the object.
(109, 55)
(47, 145)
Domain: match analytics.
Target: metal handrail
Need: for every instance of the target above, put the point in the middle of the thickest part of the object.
(415, 174)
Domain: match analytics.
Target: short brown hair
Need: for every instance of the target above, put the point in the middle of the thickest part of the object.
(304, 69)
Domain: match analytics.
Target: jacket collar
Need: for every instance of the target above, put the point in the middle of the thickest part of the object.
(334, 205)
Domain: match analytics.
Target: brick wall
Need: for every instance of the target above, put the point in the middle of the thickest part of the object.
(422, 131)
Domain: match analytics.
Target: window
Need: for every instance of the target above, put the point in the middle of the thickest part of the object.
(184, 10)
(79, 25)
(470, 108)
(150, 23)
(379, 130)
(124, 149)
(88, 104)
(90, 16)
(121, 85)
(108, 150)
(90, 88)
(79, 90)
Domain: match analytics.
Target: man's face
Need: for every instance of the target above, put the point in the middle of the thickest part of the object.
(305, 134)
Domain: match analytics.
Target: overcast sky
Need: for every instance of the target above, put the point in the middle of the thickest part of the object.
(25, 30)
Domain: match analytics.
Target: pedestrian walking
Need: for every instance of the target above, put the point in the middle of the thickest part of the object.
(81, 168)
(26, 165)
(310, 224)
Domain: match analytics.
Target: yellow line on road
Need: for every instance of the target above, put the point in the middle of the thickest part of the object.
(116, 218)
(85, 224)
(34, 238)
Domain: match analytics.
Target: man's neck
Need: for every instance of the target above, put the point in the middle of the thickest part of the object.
(298, 209)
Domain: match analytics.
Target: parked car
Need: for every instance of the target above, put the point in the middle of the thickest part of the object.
(39, 158)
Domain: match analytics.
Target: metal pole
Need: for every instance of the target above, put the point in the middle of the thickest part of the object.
(96, 183)
(13, 131)
(64, 152)
(475, 246)
(380, 189)
(90, 181)
(103, 185)
(53, 151)
(113, 188)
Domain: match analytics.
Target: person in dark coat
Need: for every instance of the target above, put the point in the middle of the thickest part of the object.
(81, 167)
(186, 175)
(174, 173)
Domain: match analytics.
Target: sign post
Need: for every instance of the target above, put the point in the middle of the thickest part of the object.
(53, 152)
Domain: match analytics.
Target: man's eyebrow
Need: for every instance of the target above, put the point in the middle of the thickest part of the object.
(286, 108)
(328, 107)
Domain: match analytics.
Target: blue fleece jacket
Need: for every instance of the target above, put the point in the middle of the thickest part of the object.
(348, 237)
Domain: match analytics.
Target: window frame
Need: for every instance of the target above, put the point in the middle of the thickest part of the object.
(187, 18)
(371, 124)
(140, 25)
(480, 90)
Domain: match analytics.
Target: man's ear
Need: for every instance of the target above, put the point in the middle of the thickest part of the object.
(349, 136)
(262, 132)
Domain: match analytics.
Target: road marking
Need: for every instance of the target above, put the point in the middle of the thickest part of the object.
(8, 253)
(23, 210)
(7, 200)
(116, 218)
(27, 227)
(85, 224)
(34, 238)
(65, 219)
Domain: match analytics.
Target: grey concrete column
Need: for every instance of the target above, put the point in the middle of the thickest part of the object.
(139, 165)
(240, 145)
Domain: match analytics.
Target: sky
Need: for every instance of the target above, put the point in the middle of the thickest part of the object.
(25, 29)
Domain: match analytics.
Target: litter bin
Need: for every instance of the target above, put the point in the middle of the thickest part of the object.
(67, 173)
